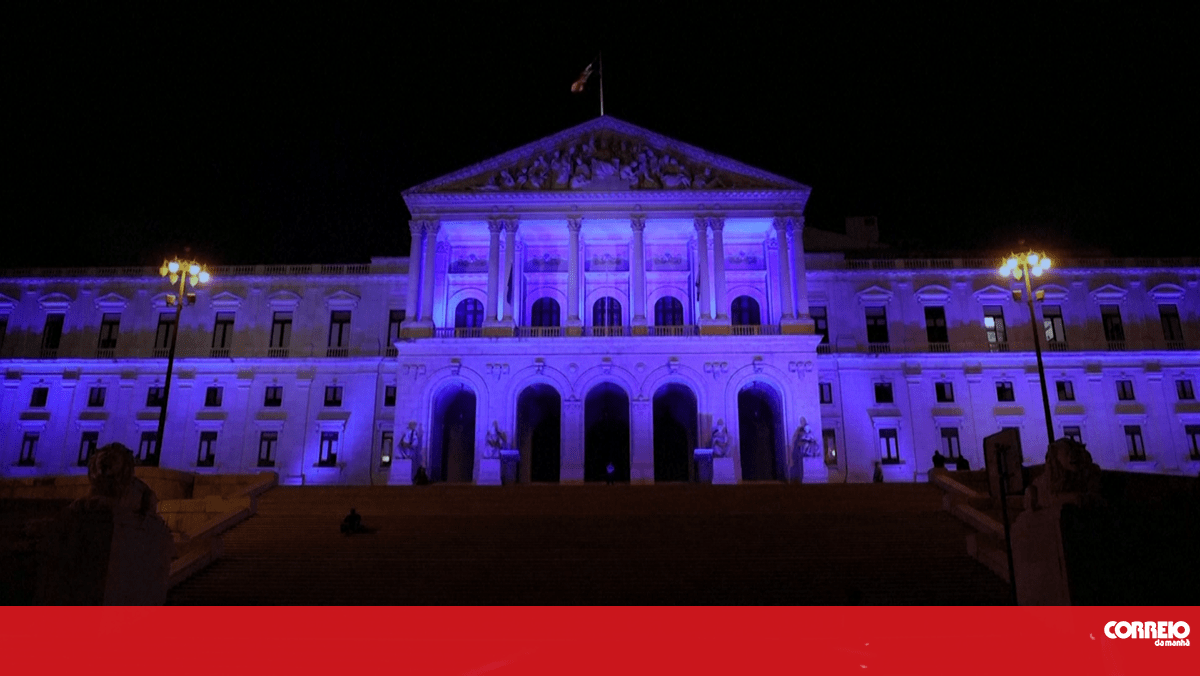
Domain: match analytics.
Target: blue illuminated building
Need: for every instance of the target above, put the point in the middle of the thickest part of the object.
(603, 295)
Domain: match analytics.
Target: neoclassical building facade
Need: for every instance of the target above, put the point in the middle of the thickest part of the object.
(604, 301)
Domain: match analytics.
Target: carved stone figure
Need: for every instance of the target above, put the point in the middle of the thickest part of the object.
(497, 440)
(113, 485)
(720, 439)
(804, 444)
(410, 441)
(1070, 476)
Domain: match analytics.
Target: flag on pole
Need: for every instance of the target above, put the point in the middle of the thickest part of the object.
(508, 295)
(577, 85)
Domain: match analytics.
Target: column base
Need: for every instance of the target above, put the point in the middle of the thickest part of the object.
(498, 328)
(489, 472)
(715, 327)
(401, 472)
(723, 471)
(574, 327)
(640, 330)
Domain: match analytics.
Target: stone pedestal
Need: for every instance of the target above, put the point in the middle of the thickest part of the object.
(401, 473)
(489, 472)
(703, 458)
(815, 471)
(723, 471)
(97, 557)
(510, 467)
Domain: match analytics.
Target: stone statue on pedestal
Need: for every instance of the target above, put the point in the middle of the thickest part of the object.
(804, 444)
(410, 441)
(720, 439)
(497, 440)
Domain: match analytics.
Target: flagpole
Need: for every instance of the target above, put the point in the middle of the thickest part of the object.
(601, 59)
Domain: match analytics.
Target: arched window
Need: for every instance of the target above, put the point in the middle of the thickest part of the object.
(545, 313)
(668, 311)
(744, 312)
(468, 314)
(606, 312)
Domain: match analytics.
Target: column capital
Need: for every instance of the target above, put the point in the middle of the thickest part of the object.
(416, 227)
(432, 227)
(637, 223)
(797, 223)
(717, 223)
(780, 223)
(511, 224)
(574, 223)
(701, 224)
(495, 225)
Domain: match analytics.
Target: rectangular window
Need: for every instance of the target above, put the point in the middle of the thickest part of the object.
(96, 397)
(3, 329)
(166, 329)
(38, 398)
(945, 392)
(385, 449)
(52, 333)
(281, 330)
(1066, 390)
(1052, 322)
(1004, 391)
(155, 397)
(950, 445)
(333, 395)
(1183, 389)
(935, 325)
(877, 329)
(1073, 432)
(213, 396)
(829, 443)
(1110, 315)
(883, 393)
(223, 331)
(993, 323)
(110, 325)
(820, 323)
(148, 449)
(87, 446)
(266, 448)
(1125, 390)
(395, 319)
(889, 447)
(826, 393)
(1193, 435)
(273, 396)
(389, 395)
(328, 455)
(1133, 442)
(339, 328)
(28, 449)
(204, 455)
(1172, 329)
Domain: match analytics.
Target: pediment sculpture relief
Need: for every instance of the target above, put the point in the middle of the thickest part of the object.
(606, 162)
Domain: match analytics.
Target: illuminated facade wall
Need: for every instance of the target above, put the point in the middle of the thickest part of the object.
(641, 267)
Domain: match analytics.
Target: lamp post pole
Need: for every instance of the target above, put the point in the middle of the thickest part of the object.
(183, 272)
(1022, 267)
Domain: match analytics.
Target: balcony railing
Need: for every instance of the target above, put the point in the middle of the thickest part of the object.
(390, 351)
(879, 348)
(277, 351)
(1116, 345)
(105, 353)
(337, 352)
(48, 353)
(606, 331)
(160, 353)
(824, 348)
(755, 330)
(539, 331)
(1176, 344)
(219, 353)
(998, 346)
(458, 332)
(939, 347)
(675, 331)
(1057, 346)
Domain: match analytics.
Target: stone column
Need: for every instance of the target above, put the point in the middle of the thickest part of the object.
(801, 272)
(718, 227)
(414, 272)
(431, 231)
(638, 282)
(491, 312)
(571, 442)
(510, 268)
(574, 325)
(785, 279)
(641, 443)
(701, 225)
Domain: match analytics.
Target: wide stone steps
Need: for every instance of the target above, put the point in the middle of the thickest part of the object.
(598, 544)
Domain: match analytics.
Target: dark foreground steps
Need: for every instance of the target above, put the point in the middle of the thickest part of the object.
(596, 544)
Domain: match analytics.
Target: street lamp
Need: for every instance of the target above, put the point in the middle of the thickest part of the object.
(1022, 266)
(183, 272)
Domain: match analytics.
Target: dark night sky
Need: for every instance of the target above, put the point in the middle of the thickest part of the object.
(287, 135)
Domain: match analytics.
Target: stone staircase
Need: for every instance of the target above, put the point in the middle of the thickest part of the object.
(875, 544)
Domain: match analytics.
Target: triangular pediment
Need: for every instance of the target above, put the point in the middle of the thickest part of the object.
(606, 155)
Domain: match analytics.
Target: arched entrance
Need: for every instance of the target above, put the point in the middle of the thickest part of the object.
(606, 437)
(760, 434)
(452, 447)
(675, 433)
(539, 433)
